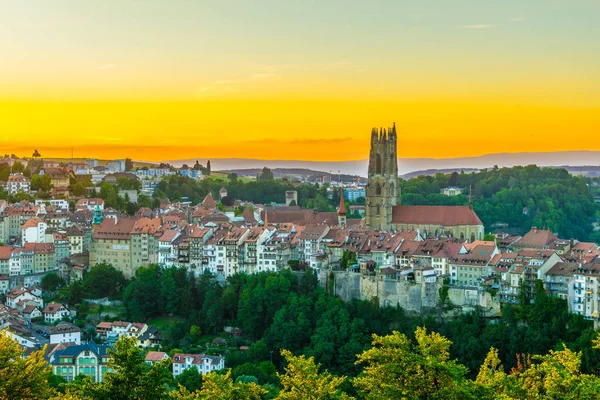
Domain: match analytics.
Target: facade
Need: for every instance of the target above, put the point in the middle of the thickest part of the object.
(65, 332)
(382, 191)
(90, 360)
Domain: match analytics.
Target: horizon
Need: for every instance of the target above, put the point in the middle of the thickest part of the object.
(459, 80)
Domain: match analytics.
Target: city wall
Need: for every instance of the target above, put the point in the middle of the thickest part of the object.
(411, 296)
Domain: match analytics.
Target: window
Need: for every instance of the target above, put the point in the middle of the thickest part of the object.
(378, 163)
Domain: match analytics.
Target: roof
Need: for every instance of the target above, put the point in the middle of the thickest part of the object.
(435, 215)
(53, 308)
(32, 223)
(155, 356)
(115, 229)
(209, 202)
(64, 327)
(536, 238)
(5, 252)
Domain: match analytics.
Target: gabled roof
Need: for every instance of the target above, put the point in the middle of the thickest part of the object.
(208, 202)
(536, 238)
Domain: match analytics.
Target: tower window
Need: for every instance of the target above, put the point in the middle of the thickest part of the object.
(378, 189)
(378, 163)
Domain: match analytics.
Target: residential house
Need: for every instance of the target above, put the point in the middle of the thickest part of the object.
(153, 357)
(55, 312)
(203, 363)
(89, 359)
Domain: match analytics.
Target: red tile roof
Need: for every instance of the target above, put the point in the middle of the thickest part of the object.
(435, 215)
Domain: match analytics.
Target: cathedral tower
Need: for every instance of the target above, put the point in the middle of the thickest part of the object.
(382, 190)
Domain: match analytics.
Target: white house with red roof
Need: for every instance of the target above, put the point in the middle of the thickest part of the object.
(203, 363)
(55, 312)
(18, 294)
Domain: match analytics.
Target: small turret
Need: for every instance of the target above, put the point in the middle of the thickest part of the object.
(342, 210)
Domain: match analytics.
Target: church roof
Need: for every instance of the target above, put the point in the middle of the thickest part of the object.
(435, 215)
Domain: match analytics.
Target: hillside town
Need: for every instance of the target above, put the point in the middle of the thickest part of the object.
(430, 246)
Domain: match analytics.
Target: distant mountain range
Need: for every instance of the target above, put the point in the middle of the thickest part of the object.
(409, 165)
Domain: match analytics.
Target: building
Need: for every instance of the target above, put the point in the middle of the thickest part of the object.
(90, 360)
(116, 165)
(65, 332)
(58, 176)
(203, 363)
(451, 191)
(34, 231)
(383, 202)
(18, 294)
(55, 312)
(154, 357)
(291, 198)
(18, 183)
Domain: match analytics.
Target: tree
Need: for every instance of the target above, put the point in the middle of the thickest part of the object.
(128, 164)
(41, 182)
(266, 175)
(78, 189)
(208, 170)
(221, 387)
(129, 376)
(51, 281)
(190, 379)
(22, 377)
(302, 380)
(36, 154)
(397, 368)
(103, 280)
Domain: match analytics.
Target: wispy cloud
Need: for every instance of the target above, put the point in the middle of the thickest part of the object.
(478, 26)
(517, 19)
(106, 66)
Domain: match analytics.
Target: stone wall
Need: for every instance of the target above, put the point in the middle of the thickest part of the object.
(411, 296)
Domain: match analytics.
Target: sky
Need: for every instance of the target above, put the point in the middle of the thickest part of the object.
(302, 80)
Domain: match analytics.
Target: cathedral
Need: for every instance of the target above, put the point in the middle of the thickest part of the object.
(384, 209)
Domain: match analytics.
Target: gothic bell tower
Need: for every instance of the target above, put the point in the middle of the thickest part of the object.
(382, 188)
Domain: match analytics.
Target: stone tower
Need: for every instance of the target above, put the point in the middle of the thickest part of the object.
(382, 188)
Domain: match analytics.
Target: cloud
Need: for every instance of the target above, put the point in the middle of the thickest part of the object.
(478, 26)
(517, 19)
(106, 66)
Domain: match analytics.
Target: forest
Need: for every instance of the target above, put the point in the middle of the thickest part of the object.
(291, 312)
(515, 199)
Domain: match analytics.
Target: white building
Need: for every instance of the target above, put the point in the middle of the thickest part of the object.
(18, 294)
(58, 203)
(34, 231)
(65, 333)
(55, 312)
(18, 183)
(203, 363)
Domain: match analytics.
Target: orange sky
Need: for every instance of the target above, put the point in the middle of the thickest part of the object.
(289, 81)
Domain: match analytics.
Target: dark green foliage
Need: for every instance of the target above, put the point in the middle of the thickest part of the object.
(103, 280)
(51, 281)
(521, 197)
(191, 379)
